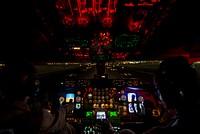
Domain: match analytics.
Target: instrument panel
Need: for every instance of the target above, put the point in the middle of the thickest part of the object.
(123, 101)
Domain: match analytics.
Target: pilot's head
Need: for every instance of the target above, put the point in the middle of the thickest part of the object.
(176, 81)
(17, 79)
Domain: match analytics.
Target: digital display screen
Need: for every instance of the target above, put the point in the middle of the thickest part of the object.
(113, 114)
(132, 97)
(101, 115)
(70, 96)
(88, 114)
(132, 109)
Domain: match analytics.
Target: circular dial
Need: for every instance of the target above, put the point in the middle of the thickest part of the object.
(61, 99)
(140, 98)
(78, 99)
(123, 97)
(89, 96)
(78, 92)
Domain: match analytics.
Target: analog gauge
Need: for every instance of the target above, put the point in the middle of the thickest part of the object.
(78, 92)
(124, 113)
(102, 105)
(123, 97)
(99, 93)
(111, 105)
(124, 108)
(122, 91)
(61, 99)
(78, 99)
(111, 101)
(78, 106)
(97, 105)
(89, 96)
(95, 97)
(94, 105)
(37, 82)
(106, 105)
(141, 99)
(115, 89)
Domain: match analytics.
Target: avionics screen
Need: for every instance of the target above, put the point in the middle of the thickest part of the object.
(132, 97)
(101, 115)
(132, 108)
(112, 114)
(69, 96)
(88, 114)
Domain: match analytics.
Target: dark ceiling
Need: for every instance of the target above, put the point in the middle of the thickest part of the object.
(34, 29)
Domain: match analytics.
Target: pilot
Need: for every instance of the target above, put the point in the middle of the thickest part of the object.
(178, 84)
(17, 117)
(165, 113)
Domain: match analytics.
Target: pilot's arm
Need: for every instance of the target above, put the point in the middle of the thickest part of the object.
(56, 122)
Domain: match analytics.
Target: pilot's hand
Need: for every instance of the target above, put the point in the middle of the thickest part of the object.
(106, 126)
(105, 123)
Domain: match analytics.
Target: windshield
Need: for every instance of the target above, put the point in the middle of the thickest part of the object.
(104, 30)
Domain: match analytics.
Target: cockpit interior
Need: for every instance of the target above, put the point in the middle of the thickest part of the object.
(97, 57)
